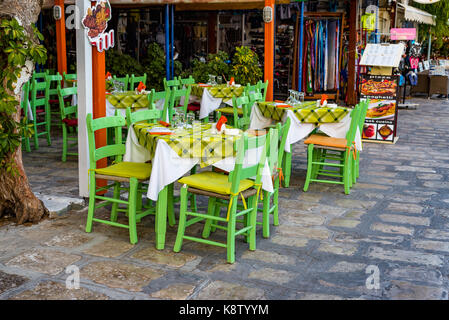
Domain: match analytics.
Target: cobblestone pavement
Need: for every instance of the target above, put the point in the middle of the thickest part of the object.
(396, 219)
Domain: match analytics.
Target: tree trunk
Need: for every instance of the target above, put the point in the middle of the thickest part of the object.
(16, 197)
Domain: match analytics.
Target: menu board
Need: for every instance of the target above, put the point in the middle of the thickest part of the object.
(381, 116)
(383, 55)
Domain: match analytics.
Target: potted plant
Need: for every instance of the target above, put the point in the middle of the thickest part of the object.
(245, 66)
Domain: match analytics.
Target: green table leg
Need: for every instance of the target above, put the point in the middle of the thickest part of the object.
(161, 218)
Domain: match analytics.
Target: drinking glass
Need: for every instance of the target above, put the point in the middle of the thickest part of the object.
(219, 79)
(190, 118)
(212, 79)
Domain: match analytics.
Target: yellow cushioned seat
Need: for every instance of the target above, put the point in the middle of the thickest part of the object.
(230, 110)
(214, 182)
(139, 170)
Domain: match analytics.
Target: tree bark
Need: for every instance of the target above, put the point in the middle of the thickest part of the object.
(16, 197)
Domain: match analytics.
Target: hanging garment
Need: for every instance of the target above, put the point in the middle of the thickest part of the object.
(369, 21)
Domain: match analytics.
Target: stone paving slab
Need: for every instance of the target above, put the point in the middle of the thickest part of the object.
(396, 221)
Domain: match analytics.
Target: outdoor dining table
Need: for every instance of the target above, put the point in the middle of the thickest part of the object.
(211, 96)
(305, 118)
(173, 155)
(333, 121)
(120, 101)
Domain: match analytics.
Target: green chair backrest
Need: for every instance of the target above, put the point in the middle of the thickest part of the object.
(147, 115)
(263, 88)
(254, 97)
(117, 149)
(170, 84)
(243, 121)
(175, 96)
(355, 117)
(25, 99)
(69, 76)
(40, 75)
(243, 146)
(155, 96)
(35, 88)
(67, 110)
(252, 88)
(185, 81)
(124, 80)
(134, 81)
(53, 83)
(363, 110)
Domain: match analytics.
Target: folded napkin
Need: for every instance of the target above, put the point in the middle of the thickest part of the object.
(221, 122)
(165, 124)
(284, 106)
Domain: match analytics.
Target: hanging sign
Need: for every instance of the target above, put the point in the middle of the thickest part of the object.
(381, 116)
(403, 33)
(96, 22)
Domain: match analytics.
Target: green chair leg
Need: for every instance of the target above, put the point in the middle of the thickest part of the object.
(114, 209)
(210, 210)
(182, 220)
(286, 168)
(230, 242)
(253, 220)
(309, 166)
(90, 211)
(276, 202)
(170, 205)
(266, 215)
(132, 206)
(64, 143)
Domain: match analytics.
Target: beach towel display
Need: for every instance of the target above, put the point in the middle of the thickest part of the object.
(322, 54)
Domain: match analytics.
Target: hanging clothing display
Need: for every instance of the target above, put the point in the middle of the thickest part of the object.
(321, 55)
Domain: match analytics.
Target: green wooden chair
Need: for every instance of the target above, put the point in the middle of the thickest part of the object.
(134, 81)
(239, 111)
(131, 173)
(68, 114)
(161, 95)
(225, 190)
(275, 155)
(40, 108)
(125, 80)
(175, 96)
(24, 102)
(341, 153)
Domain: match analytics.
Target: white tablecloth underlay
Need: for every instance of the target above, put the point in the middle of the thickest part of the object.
(168, 166)
(299, 130)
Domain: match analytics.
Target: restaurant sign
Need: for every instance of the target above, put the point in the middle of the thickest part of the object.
(381, 116)
(95, 22)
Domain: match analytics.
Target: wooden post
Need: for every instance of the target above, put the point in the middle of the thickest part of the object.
(269, 52)
(211, 33)
(351, 94)
(84, 76)
(99, 102)
(61, 40)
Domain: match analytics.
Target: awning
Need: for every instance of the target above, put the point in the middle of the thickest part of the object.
(185, 4)
(414, 14)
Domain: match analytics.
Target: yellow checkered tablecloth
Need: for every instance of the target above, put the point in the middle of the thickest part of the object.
(197, 142)
(218, 91)
(306, 113)
(128, 99)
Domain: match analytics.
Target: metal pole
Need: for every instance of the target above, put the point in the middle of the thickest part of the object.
(301, 31)
(172, 43)
(167, 44)
(430, 45)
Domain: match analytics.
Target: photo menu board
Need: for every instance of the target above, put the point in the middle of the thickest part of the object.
(381, 116)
